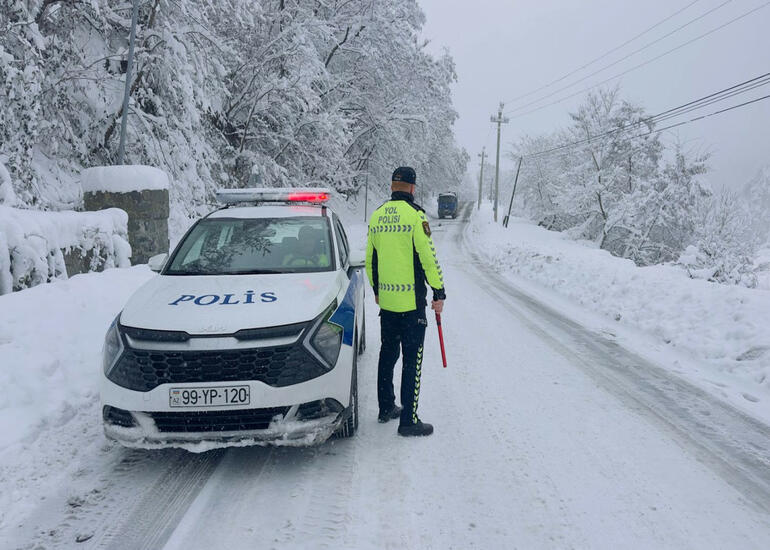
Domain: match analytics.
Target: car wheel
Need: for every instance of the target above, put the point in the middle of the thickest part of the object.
(362, 340)
(350, 424)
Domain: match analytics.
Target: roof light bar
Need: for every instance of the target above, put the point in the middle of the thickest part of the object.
(314, 195)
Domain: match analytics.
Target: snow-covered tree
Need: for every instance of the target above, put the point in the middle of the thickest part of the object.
(613, 184)
(756, 195)
(296, 91)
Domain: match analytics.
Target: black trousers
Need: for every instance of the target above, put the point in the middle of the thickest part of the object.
(402, 333)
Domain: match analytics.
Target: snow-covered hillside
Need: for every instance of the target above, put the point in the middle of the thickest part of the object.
(724, 329)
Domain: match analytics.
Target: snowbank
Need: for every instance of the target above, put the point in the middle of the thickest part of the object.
(48, 363)
(724, 327)
(123, 179)
(33, 244)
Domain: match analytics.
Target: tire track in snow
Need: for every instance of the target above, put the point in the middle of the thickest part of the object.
(128, 499)
(157, 512)
(733, 444)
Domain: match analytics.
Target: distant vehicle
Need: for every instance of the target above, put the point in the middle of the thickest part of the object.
(248, 335)
(447, 205)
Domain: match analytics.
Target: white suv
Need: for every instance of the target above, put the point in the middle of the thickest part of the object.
(248, 335)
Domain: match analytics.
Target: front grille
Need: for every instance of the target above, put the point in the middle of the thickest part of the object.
(280, 366)
(216, 421)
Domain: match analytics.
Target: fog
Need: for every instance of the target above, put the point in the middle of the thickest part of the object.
(504, 49)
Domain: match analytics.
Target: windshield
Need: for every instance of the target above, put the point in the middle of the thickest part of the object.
(233, 246)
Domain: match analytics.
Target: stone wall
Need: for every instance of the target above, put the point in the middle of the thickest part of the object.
(148, 212)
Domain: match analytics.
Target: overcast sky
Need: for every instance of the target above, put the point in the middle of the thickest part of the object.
(506, 48)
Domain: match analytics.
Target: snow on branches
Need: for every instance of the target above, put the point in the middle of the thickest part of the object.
(619, 186)
(298, 92)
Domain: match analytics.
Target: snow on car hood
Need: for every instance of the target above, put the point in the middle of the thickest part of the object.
(226, 304)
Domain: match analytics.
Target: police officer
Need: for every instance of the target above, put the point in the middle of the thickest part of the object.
(400, 259)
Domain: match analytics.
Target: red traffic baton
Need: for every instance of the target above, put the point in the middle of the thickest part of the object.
(441, 338)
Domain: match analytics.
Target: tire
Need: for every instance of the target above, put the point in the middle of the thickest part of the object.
(362, 340)
(349, 426)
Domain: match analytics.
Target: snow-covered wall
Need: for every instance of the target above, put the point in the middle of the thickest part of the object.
(35, 246)
(123, 179)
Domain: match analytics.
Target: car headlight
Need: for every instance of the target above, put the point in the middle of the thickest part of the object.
(326, 338)
(113, 347)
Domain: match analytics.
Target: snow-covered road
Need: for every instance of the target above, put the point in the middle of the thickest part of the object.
(547, 436)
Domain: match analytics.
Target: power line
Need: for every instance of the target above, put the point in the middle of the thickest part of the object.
(540, 155)
(681, 109)
(640, 65)
(731, 88)
(609, 52)
(713, 101)
(627, 56)
(567, 148)
(671, 113)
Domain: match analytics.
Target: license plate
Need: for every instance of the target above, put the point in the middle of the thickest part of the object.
(219, 396)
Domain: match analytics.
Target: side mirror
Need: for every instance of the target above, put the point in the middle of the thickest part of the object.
(357, 258)
(156, 262)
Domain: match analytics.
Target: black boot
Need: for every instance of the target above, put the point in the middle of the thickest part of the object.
(392, 414)
(421, 428)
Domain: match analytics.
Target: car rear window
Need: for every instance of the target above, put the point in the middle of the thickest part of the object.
(234, 246)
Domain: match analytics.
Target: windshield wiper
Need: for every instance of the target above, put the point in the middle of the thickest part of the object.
(257, 272)
(215, 273)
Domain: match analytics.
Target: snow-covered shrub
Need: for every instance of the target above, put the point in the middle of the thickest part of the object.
(33, 244)
(723, 243)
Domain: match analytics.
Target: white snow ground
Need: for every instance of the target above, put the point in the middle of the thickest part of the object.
(548, 435)
(717, 335)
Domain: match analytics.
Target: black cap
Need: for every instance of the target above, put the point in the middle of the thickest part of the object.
(405, 174)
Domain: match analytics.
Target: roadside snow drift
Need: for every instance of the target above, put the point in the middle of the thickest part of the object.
(727, 328)
(33, 243)
(50, 347)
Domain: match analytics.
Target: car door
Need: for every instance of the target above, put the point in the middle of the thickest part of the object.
(352, 303)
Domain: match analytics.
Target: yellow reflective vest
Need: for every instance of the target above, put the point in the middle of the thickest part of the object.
(401, 256)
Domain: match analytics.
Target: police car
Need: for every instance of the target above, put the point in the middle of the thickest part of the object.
(248, 335)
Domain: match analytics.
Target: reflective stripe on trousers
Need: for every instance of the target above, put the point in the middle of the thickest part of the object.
(402, 334)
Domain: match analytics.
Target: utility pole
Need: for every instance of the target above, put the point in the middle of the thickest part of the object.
(515, 182)
(481, 176)
(127, 94)
(499, 120)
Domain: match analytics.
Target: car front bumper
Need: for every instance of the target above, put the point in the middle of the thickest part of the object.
(154, 431)
(274, 413)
